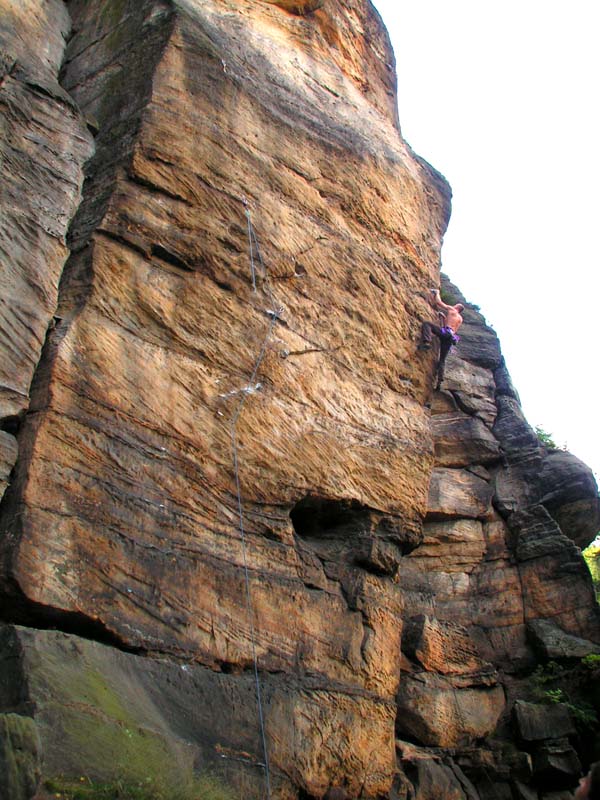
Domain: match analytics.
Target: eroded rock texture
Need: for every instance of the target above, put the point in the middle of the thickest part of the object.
(43, 146)
(497, 584)
(228, 455)
(122, 519)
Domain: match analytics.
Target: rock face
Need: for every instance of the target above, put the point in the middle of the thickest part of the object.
(43, 148)
(497, 583)
(222, 449)
(122, 519)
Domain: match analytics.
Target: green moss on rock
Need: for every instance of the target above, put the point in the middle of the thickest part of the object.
(206, 788)
(131, 751)
(104, 737)
(19, 757)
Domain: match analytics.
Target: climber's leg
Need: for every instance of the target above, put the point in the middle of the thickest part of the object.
(427, 328)
(445, 345)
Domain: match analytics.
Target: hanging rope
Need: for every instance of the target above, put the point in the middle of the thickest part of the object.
(251, 237)
(249, 389)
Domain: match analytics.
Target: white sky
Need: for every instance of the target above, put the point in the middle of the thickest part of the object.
(502, 98)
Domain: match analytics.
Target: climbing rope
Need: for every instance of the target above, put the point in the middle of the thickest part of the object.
(251, 239)
(249, 389)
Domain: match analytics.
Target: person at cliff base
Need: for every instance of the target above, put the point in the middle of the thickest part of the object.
(447, 331)
(589, 785)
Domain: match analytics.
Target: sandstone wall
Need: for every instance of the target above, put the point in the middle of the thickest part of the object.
(226, 385)
(43, 146)
(497, 586)
(122, 519)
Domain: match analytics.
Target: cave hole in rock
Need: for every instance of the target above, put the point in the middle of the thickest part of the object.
(12, 424)
(318, 517)
(304, 795)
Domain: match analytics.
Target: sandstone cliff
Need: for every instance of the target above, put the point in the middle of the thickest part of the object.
(240, 535)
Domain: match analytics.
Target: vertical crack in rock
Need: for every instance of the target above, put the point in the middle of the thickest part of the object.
(115, 112)
(43, 149)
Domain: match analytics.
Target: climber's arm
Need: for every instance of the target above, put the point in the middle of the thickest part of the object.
(436, 300)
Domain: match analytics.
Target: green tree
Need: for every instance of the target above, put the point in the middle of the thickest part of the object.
(545, 438)
(592, 559)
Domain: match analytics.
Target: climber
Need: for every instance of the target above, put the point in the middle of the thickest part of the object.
(589, 785)
(450, 321)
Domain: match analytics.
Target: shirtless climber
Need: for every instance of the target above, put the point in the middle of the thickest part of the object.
(450, 321)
